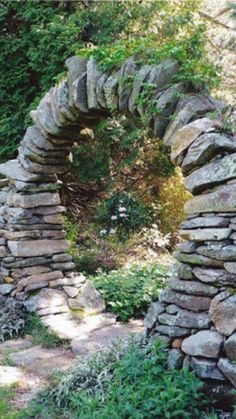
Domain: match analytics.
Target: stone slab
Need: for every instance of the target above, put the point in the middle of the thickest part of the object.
(221, 200)
(32, 248)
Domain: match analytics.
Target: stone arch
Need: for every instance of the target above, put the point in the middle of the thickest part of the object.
(197, 311)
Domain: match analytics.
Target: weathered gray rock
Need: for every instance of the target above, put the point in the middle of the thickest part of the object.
(206, 369)
(46, 298)
(172, 309)
(88, 300)
(139, 79)
(53, 310)
(186, 135)
(223, 313)
(205, 343)
(63, 257)
(172, 331)
(218, 251)
(79, 94)
(204, 148)
(159, 76)
(26, 262)
(68, 326)
(205, 222)
(62, 101)
(192, 287)
(228, 368)
(33, 200)
(35, 137)
(200, 235)
(76, 67)
(212, 174)
(127, 71)
(36, 187)
(34, 270)
(3, 251)
(187, 247)
(39, 278)
(175, 359)
(53, 219)
(151, 317)
(110, 91)
(188, 302)
(43, 118)
(32, 166)
(76, 280)
(215, 276)
(64, 266)
(187, 107)
(72, 292)
(197, 259)
(100, 92)
(93, 75)
(185, 319)
(13, 170)
(6, 288)
(49, 210)
(39, 156)
(230, 347)
(165, 104)
(230, 267)
(182, 270)
(32, 248)
(34, 287)
(222, 199)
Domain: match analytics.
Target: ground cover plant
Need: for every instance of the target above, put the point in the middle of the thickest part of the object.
(40, 333)
(122, 382)
(128, 292)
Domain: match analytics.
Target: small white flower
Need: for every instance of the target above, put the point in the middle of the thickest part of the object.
(102, 232)
(122, 215)
(114, 217)
(113, 231)
(122, 209)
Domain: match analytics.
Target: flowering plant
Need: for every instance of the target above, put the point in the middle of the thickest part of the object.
(122, 214)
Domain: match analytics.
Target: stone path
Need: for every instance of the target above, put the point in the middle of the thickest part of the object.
(31, 366)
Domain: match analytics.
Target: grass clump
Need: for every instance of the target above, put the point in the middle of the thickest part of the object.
(40, 333)
(129, 292)
(132, 381)
(6, 396)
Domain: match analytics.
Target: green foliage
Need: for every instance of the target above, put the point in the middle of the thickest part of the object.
(36, 37)
(122, 214)
(132, 381)
(129, 292)
(72, 229)
(177, 35)
(40, 333)
(6, 396)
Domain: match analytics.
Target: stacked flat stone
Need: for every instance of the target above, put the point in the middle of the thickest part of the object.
(196, 313)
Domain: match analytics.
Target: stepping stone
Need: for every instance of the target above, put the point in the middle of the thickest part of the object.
(10, 375)
(101, 338)
(68, 326)
(14, 345)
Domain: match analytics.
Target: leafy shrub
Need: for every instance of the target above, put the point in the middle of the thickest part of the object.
(132, 381)
(122, 214)
(171, 200)
(128, 292)
(40, 333)
(12, 319)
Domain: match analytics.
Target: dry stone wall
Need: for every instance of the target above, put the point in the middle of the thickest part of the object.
(196, 313)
